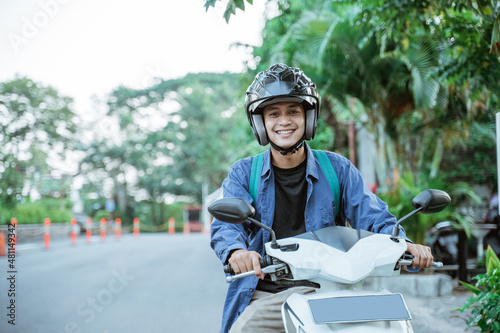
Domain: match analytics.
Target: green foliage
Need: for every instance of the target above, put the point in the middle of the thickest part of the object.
(399, 200)
(175, 136)
(101, 214)
(474, 160)
(34, 113)
(324, 138)
(163, 212)
(12, 182)
(58, 210)
(34, 120)
(485, 304)
(420, 69)
(231, 6)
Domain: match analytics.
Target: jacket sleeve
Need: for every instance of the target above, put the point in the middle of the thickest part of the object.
(226, 237)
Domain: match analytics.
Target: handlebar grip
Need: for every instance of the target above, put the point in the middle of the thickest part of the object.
(228, 269)
(408, 256)
(266, 261)
(406, 262)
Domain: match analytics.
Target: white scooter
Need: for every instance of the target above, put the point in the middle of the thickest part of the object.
(335, 260)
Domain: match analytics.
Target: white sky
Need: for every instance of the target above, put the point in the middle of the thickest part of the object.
(86, 47)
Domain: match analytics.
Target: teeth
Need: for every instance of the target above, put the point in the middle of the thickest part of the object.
(285, 132)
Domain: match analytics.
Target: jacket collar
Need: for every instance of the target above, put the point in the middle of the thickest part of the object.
(311, 168)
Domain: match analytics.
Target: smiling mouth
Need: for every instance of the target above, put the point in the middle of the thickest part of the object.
(285, 132)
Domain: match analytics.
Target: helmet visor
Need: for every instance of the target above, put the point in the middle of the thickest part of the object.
(257, 106)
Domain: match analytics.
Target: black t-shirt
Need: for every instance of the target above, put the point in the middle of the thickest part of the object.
(290, 203)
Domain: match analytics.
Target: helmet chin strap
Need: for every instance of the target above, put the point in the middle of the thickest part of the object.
(292, 150)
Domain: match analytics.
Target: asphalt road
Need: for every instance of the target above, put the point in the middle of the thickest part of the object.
(155, 283)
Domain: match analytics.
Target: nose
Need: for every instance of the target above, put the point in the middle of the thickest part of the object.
(284, 119)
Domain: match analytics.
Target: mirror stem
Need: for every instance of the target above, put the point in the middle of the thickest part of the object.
(274, 243)
(395, 229)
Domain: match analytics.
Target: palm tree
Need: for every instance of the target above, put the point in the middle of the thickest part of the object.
(410, 90)
(346, 63)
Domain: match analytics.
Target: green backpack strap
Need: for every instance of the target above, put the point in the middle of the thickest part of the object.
(331, 176)
(324, 162)
(253, 186)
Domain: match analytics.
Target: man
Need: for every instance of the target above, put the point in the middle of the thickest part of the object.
(282, 106)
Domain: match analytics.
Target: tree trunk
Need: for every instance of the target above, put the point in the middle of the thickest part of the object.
(153, 211)
(331, 119)
(437, 157)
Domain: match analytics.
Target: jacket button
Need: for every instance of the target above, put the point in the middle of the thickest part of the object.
(251, 290)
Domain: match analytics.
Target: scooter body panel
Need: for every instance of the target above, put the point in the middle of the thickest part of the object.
(375, 255)
(298, 314)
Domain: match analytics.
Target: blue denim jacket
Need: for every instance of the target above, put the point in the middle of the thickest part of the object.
(359, 206)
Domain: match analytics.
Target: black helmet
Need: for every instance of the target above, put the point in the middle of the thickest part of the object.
(281, 83)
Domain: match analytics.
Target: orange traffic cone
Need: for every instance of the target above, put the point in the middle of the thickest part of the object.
(171, 226)
(3, 252)
(137, 223)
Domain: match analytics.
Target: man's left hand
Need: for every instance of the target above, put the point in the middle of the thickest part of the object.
(423, 256)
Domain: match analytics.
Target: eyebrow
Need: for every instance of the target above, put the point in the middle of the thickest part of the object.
(273, 107)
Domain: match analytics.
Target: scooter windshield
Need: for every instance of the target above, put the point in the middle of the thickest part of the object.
(340, 238)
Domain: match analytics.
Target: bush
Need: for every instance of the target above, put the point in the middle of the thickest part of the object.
(485, 304)
(463, 162)
(58, 210)
(400, 198)
(101, 214)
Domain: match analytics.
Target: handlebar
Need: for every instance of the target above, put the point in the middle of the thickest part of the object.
(264, 262)
(265, 270)
(408, 262)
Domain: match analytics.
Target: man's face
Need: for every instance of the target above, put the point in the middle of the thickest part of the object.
(285, 123)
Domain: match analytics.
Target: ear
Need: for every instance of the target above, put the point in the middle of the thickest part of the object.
(310, 124)
(259, 129)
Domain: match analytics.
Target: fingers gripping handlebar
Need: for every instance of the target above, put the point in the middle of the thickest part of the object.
(407, 260)
(267, 265)
(404, 262)
(264, 262)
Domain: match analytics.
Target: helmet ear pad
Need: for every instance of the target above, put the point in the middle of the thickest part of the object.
(259, 129)
(310, 124)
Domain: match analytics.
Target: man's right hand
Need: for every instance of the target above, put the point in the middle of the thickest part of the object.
(244, 261)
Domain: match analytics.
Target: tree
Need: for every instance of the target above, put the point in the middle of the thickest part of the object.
(396, 15)
(231, 6)
(456, 75)
(35, 122)
(423, 67)
(173, 137)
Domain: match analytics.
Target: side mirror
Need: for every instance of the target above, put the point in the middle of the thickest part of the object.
(236, 211)
(427, 202)
(231, 210)
(431, 201)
